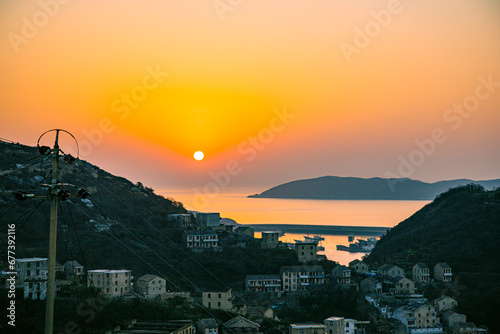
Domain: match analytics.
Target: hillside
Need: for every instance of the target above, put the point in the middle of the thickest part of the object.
(354, 188)
(460, 227)
(134, 231)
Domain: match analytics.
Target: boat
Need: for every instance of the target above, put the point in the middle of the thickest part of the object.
(354, 248)
(314, 238)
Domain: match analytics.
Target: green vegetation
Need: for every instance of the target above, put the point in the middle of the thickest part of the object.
(460, 227)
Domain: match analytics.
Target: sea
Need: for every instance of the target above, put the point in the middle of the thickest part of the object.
(235, 204)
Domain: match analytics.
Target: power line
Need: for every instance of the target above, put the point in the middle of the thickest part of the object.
(149, 264)
(161, 233)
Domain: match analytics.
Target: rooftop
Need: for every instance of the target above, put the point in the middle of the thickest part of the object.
(200, 232)
(32, 259)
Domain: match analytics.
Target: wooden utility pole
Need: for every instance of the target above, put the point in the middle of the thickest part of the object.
(55, 186)
(56, 193)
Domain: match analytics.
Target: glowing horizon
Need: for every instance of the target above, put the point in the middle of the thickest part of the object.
(269, 86)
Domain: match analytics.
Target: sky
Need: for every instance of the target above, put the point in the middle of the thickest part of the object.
(270, 91)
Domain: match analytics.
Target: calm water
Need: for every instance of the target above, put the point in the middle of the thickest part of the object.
(243, 210)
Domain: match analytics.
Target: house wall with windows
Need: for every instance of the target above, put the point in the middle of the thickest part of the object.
(218, 300)
(112, 283)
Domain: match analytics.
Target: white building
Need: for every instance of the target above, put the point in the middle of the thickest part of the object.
(32, 276)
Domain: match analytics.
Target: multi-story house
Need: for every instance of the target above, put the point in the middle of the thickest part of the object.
(112, 283)
(334, 325)
(403, 286)
(451, 318)
(207, 326)
(299, 278)
(445, 303)
(341, 275)
(442, 272)
(269, 239)
(417, 317)
(421, 273)
(60, 267)
(201, 239)
(464, 328)
(207, 219)
(307, 251)
(74, 268)
(150, 286)
(218, 300)
(370, 285)
(32, 277)
(245, 230)
(391, 271)
(182, 220)
(307, 328)
(359, 266)
(263, 283)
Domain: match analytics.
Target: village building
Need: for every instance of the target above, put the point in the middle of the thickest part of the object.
(370, 285)
(263, 283)
(207, 326)
(334, 325)
(451, 318)
(150, 286)
(32, 277)
(445, 303)
(421, 273)
(218, 300)
(307, 251)
(300, 278)
(74, 268)
(245, 230)
(269, 239)
(391, 271)
(307, 328)
(112, 283)
(403, 286)
(359, 267)
(240, 325)
(201, 239)
(341, 275)
(442, 272)
(207, 220)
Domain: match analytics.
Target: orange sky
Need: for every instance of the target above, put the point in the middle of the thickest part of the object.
(143, 85)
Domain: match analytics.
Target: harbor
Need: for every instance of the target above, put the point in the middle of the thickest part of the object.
(322, 229)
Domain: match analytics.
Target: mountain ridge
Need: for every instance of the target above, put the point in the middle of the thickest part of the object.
(375, 188)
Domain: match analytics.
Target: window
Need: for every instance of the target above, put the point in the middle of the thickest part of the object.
(218, 304)
(220, 296)
(208, 296)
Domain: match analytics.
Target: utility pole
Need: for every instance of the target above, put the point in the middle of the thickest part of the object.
(56, 193)
(55, 188)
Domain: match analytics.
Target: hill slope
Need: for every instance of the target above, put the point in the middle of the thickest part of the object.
(460, 227)
(139, 236)
(354, 188)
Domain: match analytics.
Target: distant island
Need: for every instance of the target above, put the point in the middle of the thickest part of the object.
(355, 188)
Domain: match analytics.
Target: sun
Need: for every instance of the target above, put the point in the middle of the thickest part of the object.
(198, 155)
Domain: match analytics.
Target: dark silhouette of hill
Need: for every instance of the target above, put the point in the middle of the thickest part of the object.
(355, 188)
(460, 227)
(124, 227)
